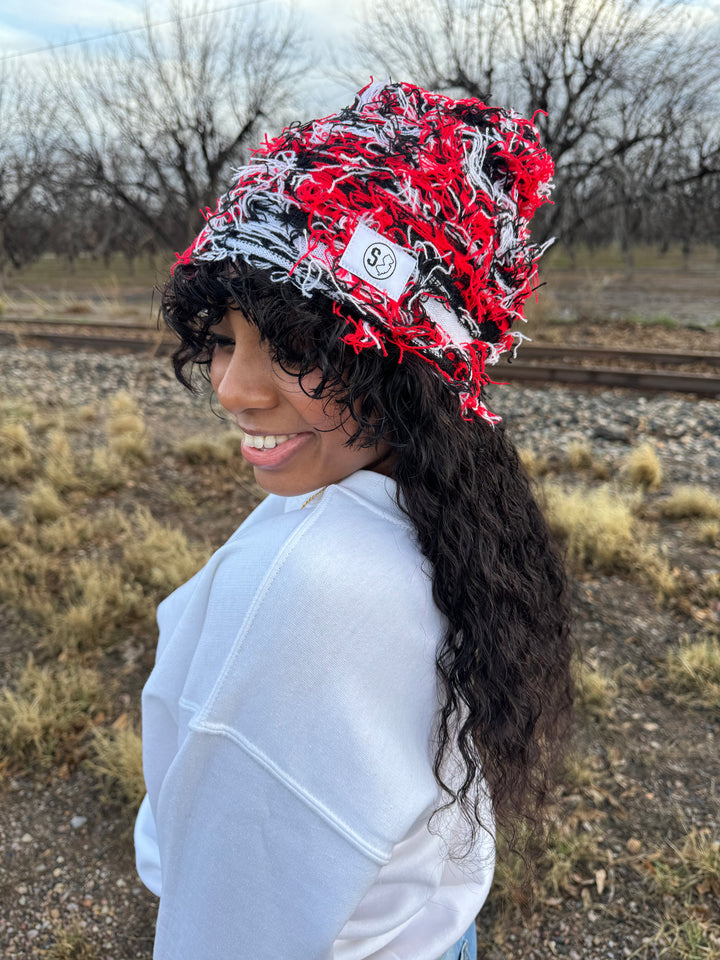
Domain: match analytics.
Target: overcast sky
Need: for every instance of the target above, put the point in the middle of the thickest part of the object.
(30, 25)
(26, 24)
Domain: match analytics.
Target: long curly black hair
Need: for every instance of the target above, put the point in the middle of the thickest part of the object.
(504, 663)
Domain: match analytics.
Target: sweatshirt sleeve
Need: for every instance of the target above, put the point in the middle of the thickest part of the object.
(249, 868)
(309, 758)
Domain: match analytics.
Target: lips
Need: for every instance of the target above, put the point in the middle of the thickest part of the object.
(270, 457)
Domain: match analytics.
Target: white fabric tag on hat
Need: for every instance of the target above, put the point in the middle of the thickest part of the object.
(377, 261)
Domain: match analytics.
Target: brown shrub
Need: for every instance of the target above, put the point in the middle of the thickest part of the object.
(601, 532)
(691, 502)
(17, 458)
(643, 467)
(48, 711)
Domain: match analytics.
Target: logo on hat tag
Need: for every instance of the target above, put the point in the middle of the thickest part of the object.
(378, 261)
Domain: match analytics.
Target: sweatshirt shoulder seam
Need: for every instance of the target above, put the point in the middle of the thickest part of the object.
(284, 550)
(369, 850)
(388, 515)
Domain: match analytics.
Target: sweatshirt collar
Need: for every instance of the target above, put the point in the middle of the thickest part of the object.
(366, 484)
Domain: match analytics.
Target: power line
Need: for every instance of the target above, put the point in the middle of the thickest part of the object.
(118, 33)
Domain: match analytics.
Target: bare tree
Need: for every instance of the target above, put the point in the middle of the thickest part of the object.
(28, 148)
(159, 117)
(653, 135)
(619, 84)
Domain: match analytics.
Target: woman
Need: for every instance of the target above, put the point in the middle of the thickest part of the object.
(372, 675)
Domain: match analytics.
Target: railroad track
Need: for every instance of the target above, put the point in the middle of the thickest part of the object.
(636, 370)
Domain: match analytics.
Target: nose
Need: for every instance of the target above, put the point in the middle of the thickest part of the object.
(241, 375)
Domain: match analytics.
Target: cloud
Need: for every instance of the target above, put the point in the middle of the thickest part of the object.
(80, 13)
(329, 17)
(13, 39)
(36, 23)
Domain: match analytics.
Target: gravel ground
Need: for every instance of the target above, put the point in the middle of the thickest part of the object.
(73, 862)
(685, 430)
(76, 863)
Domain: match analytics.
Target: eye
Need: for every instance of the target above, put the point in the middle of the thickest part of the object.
(218, 341)
(290, 366)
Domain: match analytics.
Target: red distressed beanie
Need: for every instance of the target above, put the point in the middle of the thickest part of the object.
(409, 208)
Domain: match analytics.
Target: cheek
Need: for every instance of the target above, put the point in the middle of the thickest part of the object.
(215, 371)
(319, 414)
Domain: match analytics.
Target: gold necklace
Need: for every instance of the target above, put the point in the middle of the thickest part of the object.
(318, 493)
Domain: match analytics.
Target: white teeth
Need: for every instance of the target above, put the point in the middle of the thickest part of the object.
(267, 442)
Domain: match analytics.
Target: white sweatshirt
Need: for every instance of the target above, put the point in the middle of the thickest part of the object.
(287, 746)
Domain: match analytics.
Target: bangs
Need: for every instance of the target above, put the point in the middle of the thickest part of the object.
(302, 334)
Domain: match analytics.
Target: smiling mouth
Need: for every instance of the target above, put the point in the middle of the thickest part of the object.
(268, 441)
(272, 451)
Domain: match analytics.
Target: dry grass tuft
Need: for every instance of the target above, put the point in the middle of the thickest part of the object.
(595, 691)
(78, 308)
(707, 533)
(18, 410)
(59, 536)
(596, 526)
(8, 533)
(25, 577)
(643, 467)
(582, 776)
(131, 447)
(87, 413)
(709, 589)
(203, 450)
(107, 527)
(126, 430)
(601, 471)
(70, 942)
(569, 850)
(601, 532)
(693, 671)
(533, 464)
(579, 456)
(49, 711)
(698, 861)
(86, 583)
(689, 879)
(118, 764)
(565, 853)
(125, 423)
(60, 463)
(183, 498)
(232, 441)
(102, 604)
(686, 938)
(16, 452)
(123, 403)
(691, 502)
(107, 471)
(42, 504)
(578, 772)
(159, 556)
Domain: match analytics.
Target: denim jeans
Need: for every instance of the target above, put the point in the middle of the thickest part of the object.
(465, 948)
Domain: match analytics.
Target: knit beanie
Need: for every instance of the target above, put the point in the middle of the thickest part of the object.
(410, 211)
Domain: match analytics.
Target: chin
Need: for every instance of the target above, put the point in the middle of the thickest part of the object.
(285, 486)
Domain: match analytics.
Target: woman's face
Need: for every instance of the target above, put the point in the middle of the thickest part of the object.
(295, 444)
